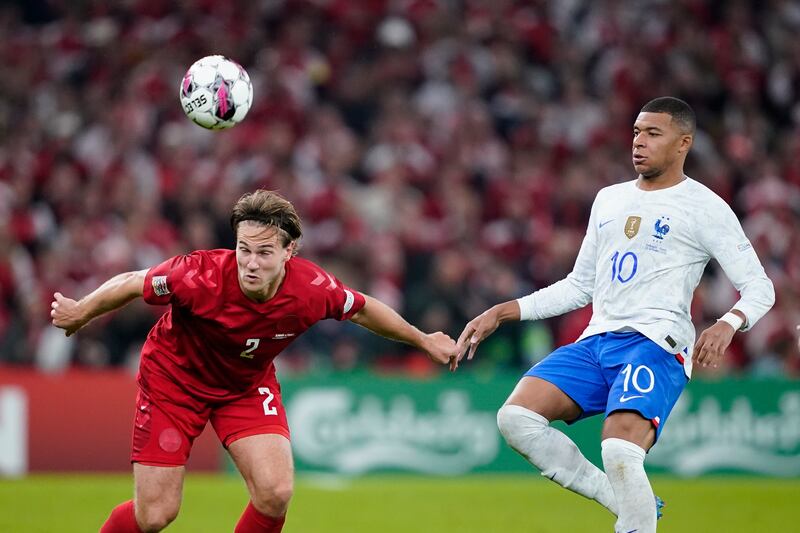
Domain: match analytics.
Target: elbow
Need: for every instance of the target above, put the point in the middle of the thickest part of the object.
(582, 293)
(770, 294)
(582, 297)
(134, 282)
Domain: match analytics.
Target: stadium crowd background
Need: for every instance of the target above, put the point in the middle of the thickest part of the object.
(443, 154)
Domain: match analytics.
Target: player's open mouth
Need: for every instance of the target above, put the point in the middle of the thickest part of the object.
(250, 277)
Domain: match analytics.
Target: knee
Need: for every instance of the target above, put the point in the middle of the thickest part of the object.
(518, 424)
(616, 451)
(273, 499)
(153, 517)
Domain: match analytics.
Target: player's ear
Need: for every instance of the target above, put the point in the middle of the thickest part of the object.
(686, 143)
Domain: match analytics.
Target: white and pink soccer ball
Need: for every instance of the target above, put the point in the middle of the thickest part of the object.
(216, 93)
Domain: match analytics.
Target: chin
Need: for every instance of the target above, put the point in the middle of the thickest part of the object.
(650, 173)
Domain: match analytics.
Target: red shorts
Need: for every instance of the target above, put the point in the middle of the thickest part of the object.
(164, 430)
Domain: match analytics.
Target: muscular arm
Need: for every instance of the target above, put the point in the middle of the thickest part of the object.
(572, 292)
(71, 315)
(381, 319)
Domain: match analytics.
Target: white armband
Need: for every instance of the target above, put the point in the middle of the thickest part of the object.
(735, 321)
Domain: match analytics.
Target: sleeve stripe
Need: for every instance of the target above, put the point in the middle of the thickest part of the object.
(349, 301)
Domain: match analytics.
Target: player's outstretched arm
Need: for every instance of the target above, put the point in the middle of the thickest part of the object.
(381, 319)
(71, 315)
(484, 325)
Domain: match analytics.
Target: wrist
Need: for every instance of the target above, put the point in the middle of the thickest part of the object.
(424, 342)
(733, 320)
(506, 312)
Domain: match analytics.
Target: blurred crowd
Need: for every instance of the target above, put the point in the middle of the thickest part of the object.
(443, 155)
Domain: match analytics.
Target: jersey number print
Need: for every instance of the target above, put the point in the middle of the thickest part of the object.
(628, 264)
(251, 344)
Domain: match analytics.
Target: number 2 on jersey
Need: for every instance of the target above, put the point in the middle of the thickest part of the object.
(251, 344)
(618, 267)
(268, 409)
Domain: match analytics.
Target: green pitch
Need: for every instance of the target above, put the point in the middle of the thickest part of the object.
(388, 504)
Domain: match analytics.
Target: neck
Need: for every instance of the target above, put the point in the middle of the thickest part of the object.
(269, 291)
(662, 181)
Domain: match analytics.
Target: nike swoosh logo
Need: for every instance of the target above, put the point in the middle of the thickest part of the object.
(623, 398)
(606, 222)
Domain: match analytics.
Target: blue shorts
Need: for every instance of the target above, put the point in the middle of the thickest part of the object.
(616, 372)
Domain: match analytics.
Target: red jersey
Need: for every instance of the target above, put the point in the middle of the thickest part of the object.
(214, 342)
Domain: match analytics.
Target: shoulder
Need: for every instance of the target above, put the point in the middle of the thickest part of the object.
(210, 265)
(614, 191)
(211, 259)
(306, 275)
(219, 256)
(705, 200)
(697, 190)
(304, 268)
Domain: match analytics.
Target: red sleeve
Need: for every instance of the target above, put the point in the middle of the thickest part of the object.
(173, 280)
(342, 302)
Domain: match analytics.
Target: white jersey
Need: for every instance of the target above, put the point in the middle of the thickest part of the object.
(642, 257)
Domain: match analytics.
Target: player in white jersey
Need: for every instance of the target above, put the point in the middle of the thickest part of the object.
(645, 249)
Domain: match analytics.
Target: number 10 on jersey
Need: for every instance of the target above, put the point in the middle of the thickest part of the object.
(623, 268)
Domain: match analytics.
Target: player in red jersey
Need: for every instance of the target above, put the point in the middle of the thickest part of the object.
(210, 358)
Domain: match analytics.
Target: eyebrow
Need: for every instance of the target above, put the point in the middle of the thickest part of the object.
(267, 245)
(648, 128)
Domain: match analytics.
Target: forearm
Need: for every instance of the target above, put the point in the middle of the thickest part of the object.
(506, 311)
(559, 298)
(113, 294)
(382, 320)
(757, 297)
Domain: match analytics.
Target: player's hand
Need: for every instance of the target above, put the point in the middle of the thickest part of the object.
(474, 333)
(711, 346)
(441, 348)
(65, 314)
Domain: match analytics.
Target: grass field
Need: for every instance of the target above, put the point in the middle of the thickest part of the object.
(389, 504)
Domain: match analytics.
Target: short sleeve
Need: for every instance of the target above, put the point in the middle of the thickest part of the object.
(342, 302)
(172, 280)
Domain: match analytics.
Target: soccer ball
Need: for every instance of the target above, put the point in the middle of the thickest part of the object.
(216, 93)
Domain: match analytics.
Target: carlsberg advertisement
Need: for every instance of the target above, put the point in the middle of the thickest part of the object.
(355, 425)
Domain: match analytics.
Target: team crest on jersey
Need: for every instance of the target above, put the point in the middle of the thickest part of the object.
(661, 227)
(660, 230)
(160, 285)
(632, 226)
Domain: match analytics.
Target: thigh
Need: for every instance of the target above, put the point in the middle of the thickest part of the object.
(164, 430)
(259, 412)
(575, 387)
(158, 486)
(544, 398)
(264, 461)
(630, 426)
(646, 381)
